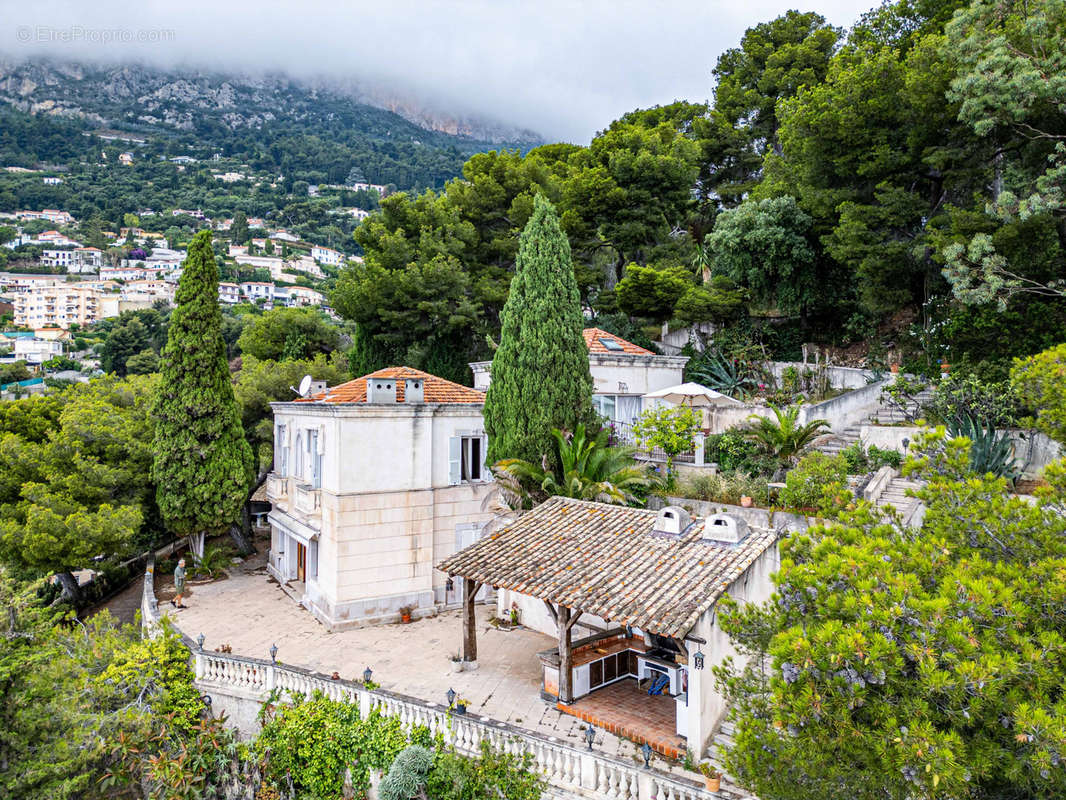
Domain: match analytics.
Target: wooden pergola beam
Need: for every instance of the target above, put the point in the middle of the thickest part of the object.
(470, 590)
(565, 620)
(551, 610)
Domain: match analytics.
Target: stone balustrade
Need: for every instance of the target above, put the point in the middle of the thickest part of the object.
(570, 771)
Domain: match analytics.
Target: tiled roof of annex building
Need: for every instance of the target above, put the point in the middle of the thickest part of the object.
(600, 341)
(437, 390)
(606, 560)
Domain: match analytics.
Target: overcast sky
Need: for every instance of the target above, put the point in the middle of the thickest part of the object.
(564, 68)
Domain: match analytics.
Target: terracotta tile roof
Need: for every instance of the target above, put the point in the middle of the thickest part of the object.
(594, 337)
(437, 390)
(605, 560)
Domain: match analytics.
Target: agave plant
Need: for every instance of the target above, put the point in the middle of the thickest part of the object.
(783, 436)
(990, 452)
(724, 375)
(591, 470)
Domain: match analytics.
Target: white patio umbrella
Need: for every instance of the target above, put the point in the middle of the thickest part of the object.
(694, 395)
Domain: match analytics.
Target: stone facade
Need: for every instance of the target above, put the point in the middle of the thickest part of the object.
(367, 497)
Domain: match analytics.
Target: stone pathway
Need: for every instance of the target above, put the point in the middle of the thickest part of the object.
(125, 605)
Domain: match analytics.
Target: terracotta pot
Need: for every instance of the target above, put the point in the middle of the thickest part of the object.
(895, 369)
(405, 618)
(746, 501)
(713, 784)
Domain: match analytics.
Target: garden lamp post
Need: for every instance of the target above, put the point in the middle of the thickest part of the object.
(645, 750)
(450, 694)
(200, 642)
(274, 653)
(367, 675)
(590, 735)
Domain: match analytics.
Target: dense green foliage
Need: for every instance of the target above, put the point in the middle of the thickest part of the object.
(589, 469)
(911, 663)
(82, 702)
(202, 461)
(784, 437)
(314, 741)
(288, 333)
(1041, 384)
(671, 429)
(540, 373)
(74, 477)
(817, 482)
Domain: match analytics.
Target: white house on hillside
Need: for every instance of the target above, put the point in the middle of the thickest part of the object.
(374, 482)
(622, 373)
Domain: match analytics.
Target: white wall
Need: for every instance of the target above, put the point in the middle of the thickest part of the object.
(615, 374)
(381, 448)
(753, 586)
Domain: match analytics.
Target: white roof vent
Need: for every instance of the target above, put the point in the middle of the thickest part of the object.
(671, 521)
(380, 390)
(414, 390)
(725, 528)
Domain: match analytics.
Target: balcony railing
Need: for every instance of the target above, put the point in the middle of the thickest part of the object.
(620, 433)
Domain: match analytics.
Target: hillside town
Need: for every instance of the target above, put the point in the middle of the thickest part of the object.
(357, 450)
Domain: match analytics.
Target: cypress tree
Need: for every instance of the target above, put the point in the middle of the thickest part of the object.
(540, 373)
(202, 461)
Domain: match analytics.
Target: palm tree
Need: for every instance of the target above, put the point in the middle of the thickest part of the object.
(591, 470)
(784, 437)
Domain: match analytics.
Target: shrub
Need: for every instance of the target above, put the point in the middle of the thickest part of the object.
(670, 428)
(815, 481)
(995, 404)
(859, 460)
(723, 487)
(214, 561)
(734, 451)
(407, 775)
(884, 458)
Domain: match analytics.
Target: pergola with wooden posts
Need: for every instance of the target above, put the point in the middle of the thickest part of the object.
(658, 572)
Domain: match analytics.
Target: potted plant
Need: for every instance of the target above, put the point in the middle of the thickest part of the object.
(405, 614)
(460, 705)
(894, 368)
(711, 777)
(457, 663)
(746, 501)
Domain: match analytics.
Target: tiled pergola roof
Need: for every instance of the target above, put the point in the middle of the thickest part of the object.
(605, 560)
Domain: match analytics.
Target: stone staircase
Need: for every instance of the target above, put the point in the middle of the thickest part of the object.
(721, 744)
(895, 495)
(835, 442)
(889, 415)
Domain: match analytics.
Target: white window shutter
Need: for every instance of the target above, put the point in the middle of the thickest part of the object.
(455, 447)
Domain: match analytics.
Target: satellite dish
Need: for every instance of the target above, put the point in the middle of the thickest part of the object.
(305, 386)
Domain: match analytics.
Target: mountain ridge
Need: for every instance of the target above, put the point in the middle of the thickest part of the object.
(140, 94)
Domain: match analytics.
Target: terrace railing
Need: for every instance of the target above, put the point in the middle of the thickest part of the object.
(570, 771)
(622, 433)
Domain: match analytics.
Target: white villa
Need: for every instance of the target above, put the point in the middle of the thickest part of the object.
(374, 482)
(622, 373)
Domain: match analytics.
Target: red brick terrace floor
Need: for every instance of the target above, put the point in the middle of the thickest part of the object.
(626, 710)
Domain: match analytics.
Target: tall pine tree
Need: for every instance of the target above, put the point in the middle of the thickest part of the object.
(202, 461)
(540, 374)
